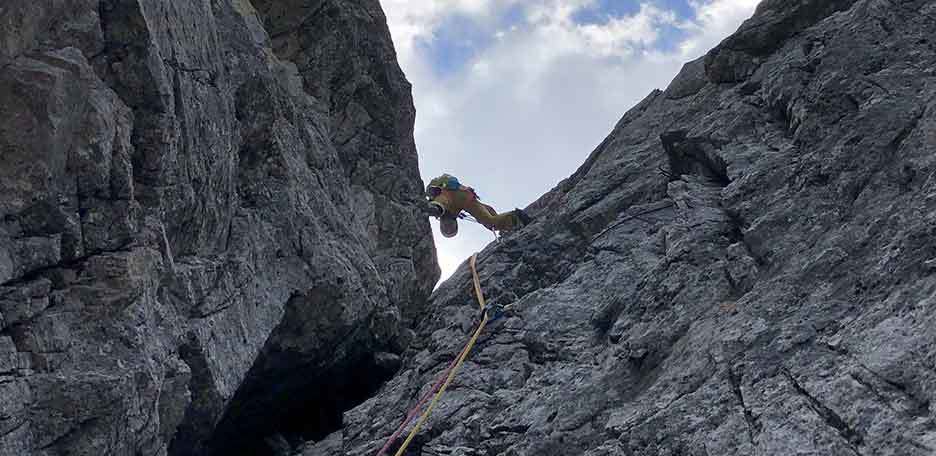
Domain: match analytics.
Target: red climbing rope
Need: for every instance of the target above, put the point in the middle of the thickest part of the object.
(415, 411)
(444, 380)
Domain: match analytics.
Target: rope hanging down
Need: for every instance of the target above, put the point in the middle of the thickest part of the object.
(448, 375)
(420, 404)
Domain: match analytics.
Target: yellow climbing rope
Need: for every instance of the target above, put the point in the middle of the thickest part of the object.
(477, 281)
(461, 360)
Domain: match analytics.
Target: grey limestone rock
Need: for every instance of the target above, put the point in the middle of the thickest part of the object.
(209, 245)
(201, 229)
(779, 302)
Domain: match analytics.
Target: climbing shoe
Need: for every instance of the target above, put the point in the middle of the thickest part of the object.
(523, 217)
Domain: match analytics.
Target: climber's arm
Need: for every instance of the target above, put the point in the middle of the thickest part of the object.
(433, 208)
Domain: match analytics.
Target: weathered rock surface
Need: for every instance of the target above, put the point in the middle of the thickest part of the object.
(784, 304)
(206, 230)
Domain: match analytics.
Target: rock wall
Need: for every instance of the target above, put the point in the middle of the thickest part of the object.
(780, 301)
(206, 219)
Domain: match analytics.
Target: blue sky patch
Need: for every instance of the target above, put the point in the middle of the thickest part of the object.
(456, 41)
(602, 11)
(670, 38)
(681, 7)
(460, 38)
(515, 15)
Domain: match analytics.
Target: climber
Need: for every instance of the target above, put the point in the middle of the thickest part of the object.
(448, 198)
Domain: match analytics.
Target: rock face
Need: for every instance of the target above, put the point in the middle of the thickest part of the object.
(779, 302)
(207, 237)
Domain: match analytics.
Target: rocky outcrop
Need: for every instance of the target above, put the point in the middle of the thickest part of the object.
(206, 225)
(779, 302)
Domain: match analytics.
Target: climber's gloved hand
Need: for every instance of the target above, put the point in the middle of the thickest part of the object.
(433, 209)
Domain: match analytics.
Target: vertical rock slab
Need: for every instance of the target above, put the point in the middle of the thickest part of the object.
(173, 202)
(769, 292)
(343, 53)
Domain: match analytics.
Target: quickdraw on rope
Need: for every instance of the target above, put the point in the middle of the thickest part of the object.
(471, 219)
(448, 375)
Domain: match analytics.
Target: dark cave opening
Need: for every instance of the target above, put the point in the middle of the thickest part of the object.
(695, 156)
(304, 405)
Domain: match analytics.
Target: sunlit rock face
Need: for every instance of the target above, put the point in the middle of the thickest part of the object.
(207, 223)
(779, 301)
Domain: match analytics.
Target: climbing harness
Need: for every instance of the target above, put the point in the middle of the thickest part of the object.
(668, 204)
(448, 375)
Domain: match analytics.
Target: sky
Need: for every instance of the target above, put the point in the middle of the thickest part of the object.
(512, 95)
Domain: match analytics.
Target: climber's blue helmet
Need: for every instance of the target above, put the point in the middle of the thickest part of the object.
(443, 182)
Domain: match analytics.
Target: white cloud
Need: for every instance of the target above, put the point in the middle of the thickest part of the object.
(714, 21)
(619, 36)
(524, 112)
(412, 20)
